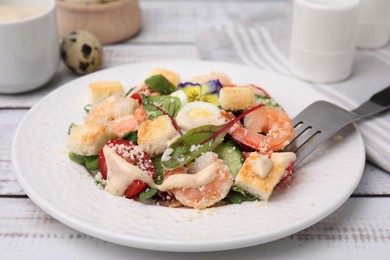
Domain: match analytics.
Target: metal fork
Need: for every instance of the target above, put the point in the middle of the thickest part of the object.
(321, 120)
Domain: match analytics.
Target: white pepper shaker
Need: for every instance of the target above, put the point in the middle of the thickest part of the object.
(323, 39)
(373, 29)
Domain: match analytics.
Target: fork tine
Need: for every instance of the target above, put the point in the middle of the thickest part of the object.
(302, 128)
(320, 120)
(312, 129)
(302, 139)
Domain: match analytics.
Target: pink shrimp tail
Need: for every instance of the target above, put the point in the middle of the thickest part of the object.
(130, 123)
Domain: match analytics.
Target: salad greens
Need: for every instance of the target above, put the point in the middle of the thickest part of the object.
(160, 84)
(157, 106)
(90, 162)
(198, 140)
(186, 148)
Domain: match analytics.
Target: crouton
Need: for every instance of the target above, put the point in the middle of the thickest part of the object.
(155, 136)
(257, 178)
(88, 139)
(99, 91)
(237, 98)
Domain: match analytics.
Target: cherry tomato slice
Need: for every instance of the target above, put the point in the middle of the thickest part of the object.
(132, 154)
(138, 97)
(289, 171)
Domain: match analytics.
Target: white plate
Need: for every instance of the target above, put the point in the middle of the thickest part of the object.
(68, 193)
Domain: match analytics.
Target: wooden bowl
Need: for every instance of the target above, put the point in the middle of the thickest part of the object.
(110, 22)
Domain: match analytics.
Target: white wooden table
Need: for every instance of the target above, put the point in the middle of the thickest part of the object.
(360, 229)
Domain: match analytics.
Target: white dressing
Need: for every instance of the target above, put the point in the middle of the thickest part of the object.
(262, 166)
(120, 174)
(196, 180)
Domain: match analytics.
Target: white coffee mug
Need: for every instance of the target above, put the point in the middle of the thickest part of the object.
(29, 44)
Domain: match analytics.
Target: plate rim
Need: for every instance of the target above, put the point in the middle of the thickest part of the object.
(159, 244)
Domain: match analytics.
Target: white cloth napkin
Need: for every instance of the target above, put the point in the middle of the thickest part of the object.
(263, 40)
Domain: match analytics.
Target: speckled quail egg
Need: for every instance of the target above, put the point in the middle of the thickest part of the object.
(82, 52)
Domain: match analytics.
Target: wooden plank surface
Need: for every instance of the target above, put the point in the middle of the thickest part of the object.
(360, 229)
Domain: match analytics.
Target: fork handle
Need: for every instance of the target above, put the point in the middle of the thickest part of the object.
(382, 97)
(379, 102)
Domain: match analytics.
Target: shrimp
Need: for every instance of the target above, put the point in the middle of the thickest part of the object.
(222, 77)
(111, 109)
(206, 195)
(129, 123)
(265, 129)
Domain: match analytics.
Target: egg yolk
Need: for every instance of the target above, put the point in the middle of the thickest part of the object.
(199, 112)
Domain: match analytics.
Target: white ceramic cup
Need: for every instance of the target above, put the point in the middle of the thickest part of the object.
(373, 29)
(29, 48)
(323, 39)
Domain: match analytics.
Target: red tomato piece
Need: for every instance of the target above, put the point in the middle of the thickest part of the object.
(138, 97)
(289, 171)
(132, 154)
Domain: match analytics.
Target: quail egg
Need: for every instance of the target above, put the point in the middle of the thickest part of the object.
(82, 52)
(181, 96)
(199, 113)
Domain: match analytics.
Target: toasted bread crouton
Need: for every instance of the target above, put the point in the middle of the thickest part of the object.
(257, 178)
(111, 109)
(237, 97)
(99, 91)
(171, 76)
(155, 136)
(88, 139)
